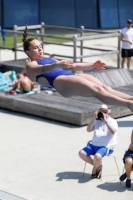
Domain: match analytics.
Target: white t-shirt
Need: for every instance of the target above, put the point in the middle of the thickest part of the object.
(128, 34)
(102, 136)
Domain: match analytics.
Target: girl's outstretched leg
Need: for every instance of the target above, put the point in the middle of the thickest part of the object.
(107, 88)
(74, 85)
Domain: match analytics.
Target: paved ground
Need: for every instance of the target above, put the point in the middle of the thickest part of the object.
(39, 158)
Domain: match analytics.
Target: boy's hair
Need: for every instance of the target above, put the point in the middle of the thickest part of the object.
(19, 75)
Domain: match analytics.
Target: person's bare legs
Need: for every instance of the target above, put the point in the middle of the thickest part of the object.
(123, 62)
(18, 86)
(24, 84)
(107, 88)
(128, 166)
(96, 162)
(75, 85)
(128, 62)
(83, 156)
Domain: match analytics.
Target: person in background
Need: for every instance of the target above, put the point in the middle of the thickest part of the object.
(3, 37)
(24, 84)
(127, 44)
(128, 161)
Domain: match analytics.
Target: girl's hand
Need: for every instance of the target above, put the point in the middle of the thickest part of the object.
(65, 64)
(99, 65)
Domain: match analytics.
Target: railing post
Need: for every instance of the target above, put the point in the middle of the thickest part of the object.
(81, 43)
(42, 32)
(119, 50)
(74, 48)
(15, 42)
(37, 35)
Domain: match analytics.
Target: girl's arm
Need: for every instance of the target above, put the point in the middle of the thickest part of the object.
(33, 68)
(87, 66)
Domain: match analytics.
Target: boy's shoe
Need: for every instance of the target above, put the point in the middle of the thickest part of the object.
(123, 177)
(11, 92)
(128, 183)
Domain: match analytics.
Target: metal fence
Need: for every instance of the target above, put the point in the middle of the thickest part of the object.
(77, 39)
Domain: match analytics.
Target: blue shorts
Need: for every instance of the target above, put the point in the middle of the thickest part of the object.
(92, 150)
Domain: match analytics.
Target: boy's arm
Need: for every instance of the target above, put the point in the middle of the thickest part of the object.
(34, 84)
(15, 86)
(124, 39)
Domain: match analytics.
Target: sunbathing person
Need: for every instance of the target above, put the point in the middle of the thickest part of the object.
(24, 84)
(58, 75)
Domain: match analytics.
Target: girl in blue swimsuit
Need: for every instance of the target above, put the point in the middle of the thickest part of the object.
(59, 75)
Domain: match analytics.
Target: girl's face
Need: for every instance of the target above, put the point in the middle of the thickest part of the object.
(35, 51)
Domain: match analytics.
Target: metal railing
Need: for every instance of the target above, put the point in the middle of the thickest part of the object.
(77, 40)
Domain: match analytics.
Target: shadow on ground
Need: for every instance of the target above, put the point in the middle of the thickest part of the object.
(50, 121)
(113, 186)
(74, 175)
(125, 124)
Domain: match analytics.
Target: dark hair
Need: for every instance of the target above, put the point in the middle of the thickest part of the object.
(129, 21)
(19, 75)
(26, 42)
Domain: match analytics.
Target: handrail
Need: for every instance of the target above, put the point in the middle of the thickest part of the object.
(99, 54)
(76, 40)
(29, 27)
(40, 34)
(98, 36)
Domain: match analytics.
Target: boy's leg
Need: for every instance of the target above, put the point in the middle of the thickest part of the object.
(128, 160)
(123, 62)
(124, 176)
(128, 166)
